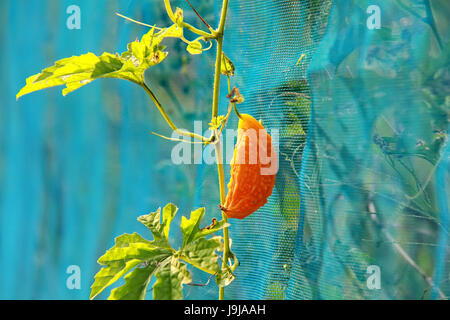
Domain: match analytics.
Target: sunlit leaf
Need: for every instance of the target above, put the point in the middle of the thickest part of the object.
(75, 72)
(217, 122)
(78, 71)
(137, 260)
(175, 31)
(195, 47)
(160, 230)
(136, 283)
(191, 227)
(169, 213)
(179, 16)
(227, 67)
(127, 253)
(144, 54)
(132, 246)
(217, 226)
(170, 279)
(109, 275)
(191, 230)
(202, 254)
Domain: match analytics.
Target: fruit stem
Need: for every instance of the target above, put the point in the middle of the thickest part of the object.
(233, 103)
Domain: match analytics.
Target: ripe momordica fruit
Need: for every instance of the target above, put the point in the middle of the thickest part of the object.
(253, 170)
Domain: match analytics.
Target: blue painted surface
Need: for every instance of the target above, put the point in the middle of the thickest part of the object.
(75, 171)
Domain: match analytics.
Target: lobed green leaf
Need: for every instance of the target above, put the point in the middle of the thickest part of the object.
(109, 275)
(170, 279)
(191, 230)
(133, 247)
(137, 260)
(160, 230)
(78, 71)
(202, 254)
(217, 226)
(136, 283)
(175, 31)
(128, 252)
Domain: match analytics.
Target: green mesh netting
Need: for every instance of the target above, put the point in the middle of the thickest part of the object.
(363, 177)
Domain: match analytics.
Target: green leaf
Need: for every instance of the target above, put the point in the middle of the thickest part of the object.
(227, 67)
(144, 54)
(138, 260)
(78, 71)
(226, 276)
(136, 283)
(109, 275)
(133, 246)
(170, 280)
(175, 31)
(160, 230)
(202, 254)
(127, 253)
(190, 228)
(217, 226)
(195, 47)
(75, 72)
(179, 16)
(153, 222)
(169, 213)
(216, 122)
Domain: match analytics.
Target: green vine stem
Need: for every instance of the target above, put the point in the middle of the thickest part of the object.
(215, 112)
(218, 36)
(169, 121)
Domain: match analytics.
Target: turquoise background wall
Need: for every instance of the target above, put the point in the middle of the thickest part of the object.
(77, 171)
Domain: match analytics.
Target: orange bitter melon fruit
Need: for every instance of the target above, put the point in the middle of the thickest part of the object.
(253, 170)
